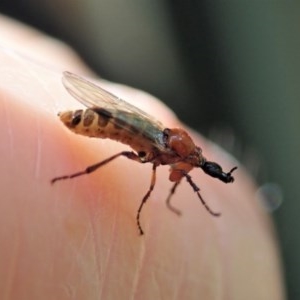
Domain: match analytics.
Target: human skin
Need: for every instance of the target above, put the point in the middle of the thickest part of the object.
(78, 238)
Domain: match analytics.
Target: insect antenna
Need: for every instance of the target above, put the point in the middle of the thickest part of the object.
(197, 190)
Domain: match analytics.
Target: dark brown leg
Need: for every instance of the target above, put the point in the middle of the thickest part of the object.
(168, 202)
(92, 168)
(152, 184)
(196, 189)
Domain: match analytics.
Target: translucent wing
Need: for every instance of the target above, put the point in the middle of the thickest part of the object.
(93, 96)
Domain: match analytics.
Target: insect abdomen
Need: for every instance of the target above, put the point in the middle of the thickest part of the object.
(89, 123)
(103, 124)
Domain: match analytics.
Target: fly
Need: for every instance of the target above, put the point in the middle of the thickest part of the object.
(108, 116)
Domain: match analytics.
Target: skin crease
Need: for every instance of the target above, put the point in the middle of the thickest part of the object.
(78, 239)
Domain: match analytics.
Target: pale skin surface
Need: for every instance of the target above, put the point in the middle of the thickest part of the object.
(78, 239)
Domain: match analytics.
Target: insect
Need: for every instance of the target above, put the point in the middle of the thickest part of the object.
(108, 116)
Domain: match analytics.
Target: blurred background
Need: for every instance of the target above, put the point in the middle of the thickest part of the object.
(229, 70)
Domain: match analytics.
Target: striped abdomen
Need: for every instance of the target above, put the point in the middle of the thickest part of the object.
(120, 126)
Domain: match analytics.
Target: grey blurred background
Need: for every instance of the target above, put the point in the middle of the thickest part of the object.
(229, 70)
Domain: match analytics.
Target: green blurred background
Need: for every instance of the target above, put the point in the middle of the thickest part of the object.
(230, 67)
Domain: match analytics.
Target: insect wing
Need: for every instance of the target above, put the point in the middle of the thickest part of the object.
(93, 96)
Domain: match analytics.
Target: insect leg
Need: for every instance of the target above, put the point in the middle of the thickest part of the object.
(92, 168)
(172, 192)
(152, 184)
(197, 190)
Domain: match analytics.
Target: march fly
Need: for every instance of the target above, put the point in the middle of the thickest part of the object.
(108, 116)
